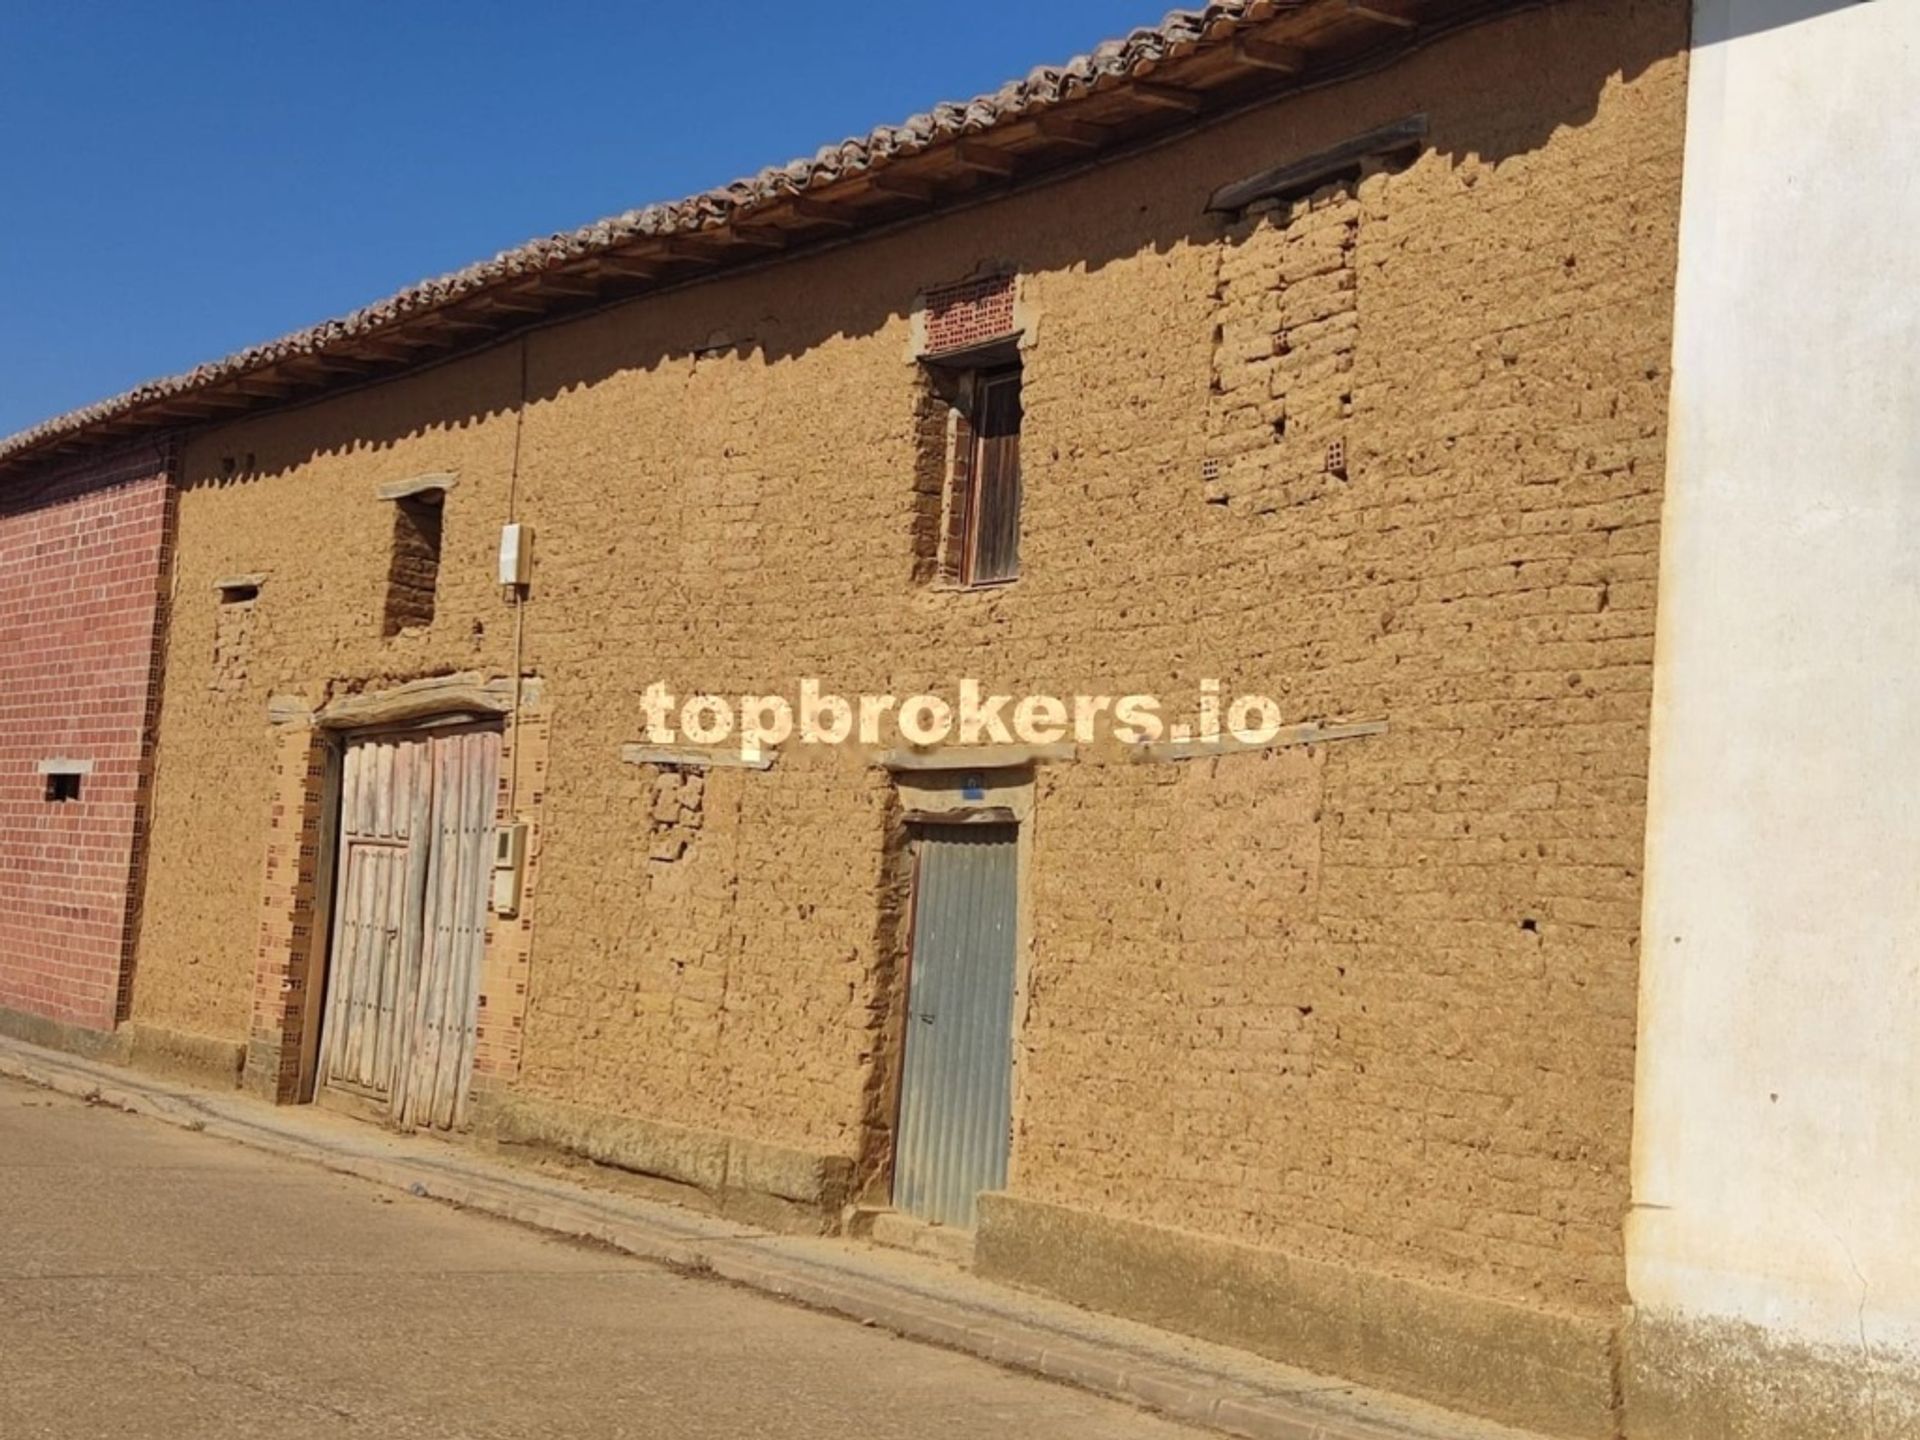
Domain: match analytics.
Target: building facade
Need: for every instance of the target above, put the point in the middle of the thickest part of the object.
(1321, 350)
(1771, 1244)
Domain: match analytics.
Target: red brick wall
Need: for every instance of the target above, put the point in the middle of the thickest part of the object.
(82, 557)
(971, 313)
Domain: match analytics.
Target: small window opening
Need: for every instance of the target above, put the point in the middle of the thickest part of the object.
(990, 549)
(62, 787)
(233, 632)
(413, 575)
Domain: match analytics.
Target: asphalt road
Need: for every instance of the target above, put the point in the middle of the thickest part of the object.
(155, 1282)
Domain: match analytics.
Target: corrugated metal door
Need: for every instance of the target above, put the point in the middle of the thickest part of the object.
(416, 822)
(956, 1090)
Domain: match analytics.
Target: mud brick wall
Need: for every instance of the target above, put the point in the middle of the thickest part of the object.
(82, 559)
(1371, 1005)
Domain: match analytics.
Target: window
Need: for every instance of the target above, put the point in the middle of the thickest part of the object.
(966, 482)
(62, 778)
(413, 574)
(990, 550)
(233, 632)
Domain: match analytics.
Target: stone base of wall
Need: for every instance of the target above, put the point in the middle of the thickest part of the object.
(201, 1059)
(797, 1191)
(109, 1045)
(1689, 1378)
(1548, 1371)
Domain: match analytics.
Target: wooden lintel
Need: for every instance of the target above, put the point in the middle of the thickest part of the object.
(1301, 176)
(984, 158)
(1165, 97)
(821, 213)
(974, 757)
(973, 815)
(1214, 748)
(908, 187)
(436, 483)
(1070, 132)
(1399, 13)
(438, 697)
(695, 757)
(1270, 55)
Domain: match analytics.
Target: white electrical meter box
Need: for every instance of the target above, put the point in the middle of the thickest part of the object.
(516, 554)
(509, 865)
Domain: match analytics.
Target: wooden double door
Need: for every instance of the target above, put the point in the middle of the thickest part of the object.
(415, 859)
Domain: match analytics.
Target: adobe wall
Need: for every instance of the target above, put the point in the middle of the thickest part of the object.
(1369, 1006)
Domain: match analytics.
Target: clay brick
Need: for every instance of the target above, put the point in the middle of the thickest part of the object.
(82, 553)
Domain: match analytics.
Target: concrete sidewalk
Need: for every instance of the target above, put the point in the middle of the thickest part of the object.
(910, 1295)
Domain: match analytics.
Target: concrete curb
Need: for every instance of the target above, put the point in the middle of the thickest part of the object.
(1170, 1383)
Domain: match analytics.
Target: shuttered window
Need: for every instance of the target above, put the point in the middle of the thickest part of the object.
(992, 550)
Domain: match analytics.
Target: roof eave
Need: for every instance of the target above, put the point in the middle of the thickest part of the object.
(1196, 67)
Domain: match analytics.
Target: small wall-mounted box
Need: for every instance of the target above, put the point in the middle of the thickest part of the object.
(516, 554)
(509, 867)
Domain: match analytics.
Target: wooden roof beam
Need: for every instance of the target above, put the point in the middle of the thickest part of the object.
(1068, 131)
(506, 302)
(263, 389)
(561, 286)
(185, 408)
(1401, 14)
(757, 237)
(328, 364)
(455, 324)
(626, 267)
(1270, 55)
(119, 425)
(673, 247)
(212, 401)
(820, 212)
(983, 158)
(907, 187)
(1166, 97)
(396, 349)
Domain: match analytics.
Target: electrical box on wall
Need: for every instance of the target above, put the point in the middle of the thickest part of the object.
(509, 867)
(516, 554)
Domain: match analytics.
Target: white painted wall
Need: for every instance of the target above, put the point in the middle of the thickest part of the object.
(1777, 1146)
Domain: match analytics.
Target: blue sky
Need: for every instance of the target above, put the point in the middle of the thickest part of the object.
(184, 179)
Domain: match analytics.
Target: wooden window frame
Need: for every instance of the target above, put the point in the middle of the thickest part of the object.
(977, 441)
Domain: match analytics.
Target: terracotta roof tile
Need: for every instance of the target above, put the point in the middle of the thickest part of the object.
(1106, 66)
